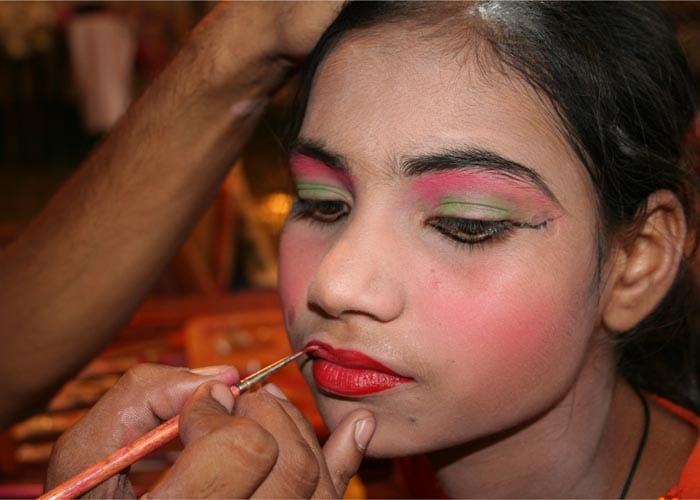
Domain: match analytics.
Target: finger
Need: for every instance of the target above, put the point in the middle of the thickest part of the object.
(324, 486)
(315, 17)
(209, 408)
(224, 456)
(143, 397)
(230, 462)
(346, 447)
(148, 394)
(297, 470)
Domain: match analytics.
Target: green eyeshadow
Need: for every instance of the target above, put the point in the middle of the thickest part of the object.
(318, 190)
(474, 208)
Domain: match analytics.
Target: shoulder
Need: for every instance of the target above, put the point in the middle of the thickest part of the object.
(688, 483)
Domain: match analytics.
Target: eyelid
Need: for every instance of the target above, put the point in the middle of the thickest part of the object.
(474, 210)
(310, 189)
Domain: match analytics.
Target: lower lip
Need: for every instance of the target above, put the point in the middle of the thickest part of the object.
(350, 373)
(345, 381)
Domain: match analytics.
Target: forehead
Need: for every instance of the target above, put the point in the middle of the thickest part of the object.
(380, 96)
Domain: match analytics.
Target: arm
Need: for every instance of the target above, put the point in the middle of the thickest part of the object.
(76, 275)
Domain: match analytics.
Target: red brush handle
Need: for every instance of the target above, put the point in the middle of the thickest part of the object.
(119, 460)
(124, 457)
(116, 462)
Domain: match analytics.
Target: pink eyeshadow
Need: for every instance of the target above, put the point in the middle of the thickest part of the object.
(435, 186)
(307, 168)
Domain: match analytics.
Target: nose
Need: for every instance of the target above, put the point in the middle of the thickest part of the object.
(358, 275)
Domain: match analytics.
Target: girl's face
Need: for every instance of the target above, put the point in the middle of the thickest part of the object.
(442, 250)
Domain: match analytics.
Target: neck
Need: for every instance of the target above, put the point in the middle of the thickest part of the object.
(580, 447)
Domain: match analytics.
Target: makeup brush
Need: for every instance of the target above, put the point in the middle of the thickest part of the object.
(127, 455)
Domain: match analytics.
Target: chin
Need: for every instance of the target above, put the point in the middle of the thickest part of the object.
(393, 437)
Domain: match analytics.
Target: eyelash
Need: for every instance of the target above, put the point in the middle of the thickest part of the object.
(473, 232)
(321, 211)
(470, 231)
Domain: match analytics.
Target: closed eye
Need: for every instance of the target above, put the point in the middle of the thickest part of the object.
(470, 231)
(324, 211)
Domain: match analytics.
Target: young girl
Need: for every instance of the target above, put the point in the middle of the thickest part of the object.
(490, 201)
(489, 245)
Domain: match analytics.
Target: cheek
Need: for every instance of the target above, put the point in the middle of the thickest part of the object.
(495, 318)
(299, 255)
(519, 331)
(489, 316)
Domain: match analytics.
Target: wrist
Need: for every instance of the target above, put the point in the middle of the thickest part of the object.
(234, 54)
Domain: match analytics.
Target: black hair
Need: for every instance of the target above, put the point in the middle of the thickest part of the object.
(620, 85)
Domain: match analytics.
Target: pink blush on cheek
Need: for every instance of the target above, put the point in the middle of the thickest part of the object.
(497, 333)
(297, 261)
(307, 168)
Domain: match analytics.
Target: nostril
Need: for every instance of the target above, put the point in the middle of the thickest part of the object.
(316, 308)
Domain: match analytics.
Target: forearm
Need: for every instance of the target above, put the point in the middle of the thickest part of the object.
(78, 272)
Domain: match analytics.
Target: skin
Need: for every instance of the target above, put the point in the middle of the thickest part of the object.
(249, 447)
(513, 391)
(485, 196)
(76, 275)
(260, 445)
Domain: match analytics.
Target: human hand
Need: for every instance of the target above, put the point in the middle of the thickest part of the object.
(267, 449)
(145, 396)
(282, 33)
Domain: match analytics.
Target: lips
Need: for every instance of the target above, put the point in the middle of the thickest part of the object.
(351, 373)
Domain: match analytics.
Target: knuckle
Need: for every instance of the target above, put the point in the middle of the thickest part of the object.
(253, 403)
(139, 375)
(190, 427)
(254, 445)
(300, 462)
(295, 460)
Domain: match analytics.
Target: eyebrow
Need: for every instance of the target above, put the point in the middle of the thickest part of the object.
(476, 158)
(317, 151)
(441, 161)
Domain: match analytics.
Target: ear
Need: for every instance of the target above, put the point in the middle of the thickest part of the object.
(644, 266)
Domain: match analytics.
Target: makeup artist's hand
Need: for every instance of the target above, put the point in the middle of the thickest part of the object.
(284, 31)
(267, 449)
(144, 397)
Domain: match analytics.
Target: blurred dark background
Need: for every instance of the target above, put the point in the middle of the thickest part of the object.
(68, 70)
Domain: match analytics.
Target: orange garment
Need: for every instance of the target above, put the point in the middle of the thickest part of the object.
(689, 483)
(416, 475)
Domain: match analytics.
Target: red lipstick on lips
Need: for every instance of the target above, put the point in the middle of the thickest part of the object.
(350, 373)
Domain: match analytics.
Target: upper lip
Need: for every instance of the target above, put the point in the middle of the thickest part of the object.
(348, 358)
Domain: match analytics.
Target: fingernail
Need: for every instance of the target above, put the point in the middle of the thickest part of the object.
(223, 395)
(210, 370)
(364, 429)
(275, 391)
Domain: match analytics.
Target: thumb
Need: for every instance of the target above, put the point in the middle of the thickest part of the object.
(346, 447)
